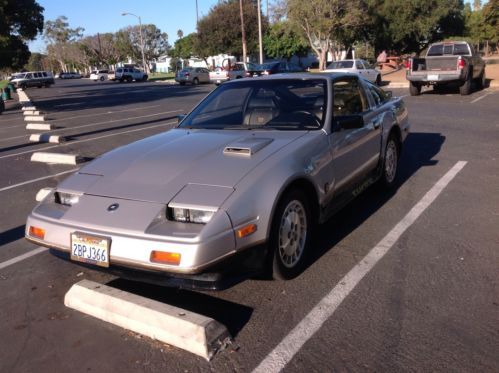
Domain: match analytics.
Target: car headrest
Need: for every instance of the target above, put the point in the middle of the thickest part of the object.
(261, 102)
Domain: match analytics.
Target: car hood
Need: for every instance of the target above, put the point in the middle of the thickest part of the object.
(157, 168)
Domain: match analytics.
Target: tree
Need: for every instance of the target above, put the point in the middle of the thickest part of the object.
(180, 34)
(491, 15)
(60, 38)
(35, 62)
(155, 42)
(410, 26)
(281, 41)
(323, 22)
(184, 47)
(220, 30)
(22, 20)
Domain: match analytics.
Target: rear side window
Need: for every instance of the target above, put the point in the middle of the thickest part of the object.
(119, 70)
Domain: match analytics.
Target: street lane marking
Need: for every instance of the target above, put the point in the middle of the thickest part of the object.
(96, 124)
(37, 179)
(483, 96)
(84, 140)
(19, 258)
(294, 341)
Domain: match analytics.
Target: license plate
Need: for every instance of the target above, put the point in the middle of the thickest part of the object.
(433, 77)
(90, 249)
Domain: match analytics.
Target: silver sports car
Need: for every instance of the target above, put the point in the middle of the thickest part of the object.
(234, 189)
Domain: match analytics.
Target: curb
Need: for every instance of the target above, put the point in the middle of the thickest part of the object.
(46, 137)
(56, 158)
(192, 332)
(39, 126)
(39, 118)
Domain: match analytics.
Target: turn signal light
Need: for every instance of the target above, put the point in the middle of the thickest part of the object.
(165, 257)
(246, 230)
(37, 232)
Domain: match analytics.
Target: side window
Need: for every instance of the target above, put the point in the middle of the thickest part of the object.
(359, 65)
(348, 97)
(44, 74)
(29, 76)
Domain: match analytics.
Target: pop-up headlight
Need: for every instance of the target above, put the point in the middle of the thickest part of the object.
(66, 199)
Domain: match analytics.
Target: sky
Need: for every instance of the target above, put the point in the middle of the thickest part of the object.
(105, 15)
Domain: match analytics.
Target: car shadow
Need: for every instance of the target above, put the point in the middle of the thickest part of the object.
(11, 235)
(419, 151)
(234, 316)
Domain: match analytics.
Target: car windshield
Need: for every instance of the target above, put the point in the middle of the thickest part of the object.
(341, 65)
(18, 76)
(268, 66)
(280, 104)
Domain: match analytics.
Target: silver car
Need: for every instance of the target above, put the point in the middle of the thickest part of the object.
(237, 185)
(193, 75)
(357, 66)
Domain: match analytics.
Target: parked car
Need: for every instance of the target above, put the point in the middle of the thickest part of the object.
(100, 75)
(239, 183)
(219, 75)
(242, 70)
(277, 67)
(69, 75)
(356, 66)
(33, 79)
(128, 74)
(193, 75)
(453, 62)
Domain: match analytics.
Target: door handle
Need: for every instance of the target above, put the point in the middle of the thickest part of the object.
(376, 124)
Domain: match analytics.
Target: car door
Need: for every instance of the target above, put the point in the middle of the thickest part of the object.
(355, 138)
(370, 73)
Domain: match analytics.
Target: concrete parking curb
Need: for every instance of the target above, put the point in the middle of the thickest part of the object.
(195, 333)
(55, 158)
(39, 126)
(28, 108)
(42, 193)
(32, 112)
(37, 118)
(46, 137)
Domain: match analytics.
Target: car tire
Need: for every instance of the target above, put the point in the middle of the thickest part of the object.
(465, 88)
(129, 79)
(414, 89)
(182, 83)
(390, 163)
(101, 78)
(144, 78)
(379, 81)
(290, 235)
(195, 81)
(482, 80)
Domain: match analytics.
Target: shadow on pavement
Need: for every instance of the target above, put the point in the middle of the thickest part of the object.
(11, 235)
(234, 316)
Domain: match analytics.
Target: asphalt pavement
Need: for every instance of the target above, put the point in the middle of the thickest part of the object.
(430, 302)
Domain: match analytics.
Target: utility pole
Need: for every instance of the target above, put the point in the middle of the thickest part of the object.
(197, 14)
(243, 32)
(141, 39)
(260, 31)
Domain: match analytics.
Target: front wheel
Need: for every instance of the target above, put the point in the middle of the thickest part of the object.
(144, 78)
(290, 235)
(101, 78)
(195, 81)
(482, 80)
(390, 163)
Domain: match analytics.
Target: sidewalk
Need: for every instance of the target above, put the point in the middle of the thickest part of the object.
(397, 79)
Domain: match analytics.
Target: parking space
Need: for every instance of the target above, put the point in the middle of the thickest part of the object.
(429, 302)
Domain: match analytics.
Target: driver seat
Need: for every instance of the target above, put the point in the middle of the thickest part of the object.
(260, 111)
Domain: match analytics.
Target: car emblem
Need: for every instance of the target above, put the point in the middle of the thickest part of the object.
(113, 207)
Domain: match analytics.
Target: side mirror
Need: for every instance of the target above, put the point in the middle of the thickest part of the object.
(348, 122)
(180, 118)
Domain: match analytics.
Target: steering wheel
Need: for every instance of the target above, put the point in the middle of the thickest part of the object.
(308, 115)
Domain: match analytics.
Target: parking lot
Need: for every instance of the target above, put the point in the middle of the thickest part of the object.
(429, 303)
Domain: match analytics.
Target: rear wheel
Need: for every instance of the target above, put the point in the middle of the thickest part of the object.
(290, 236)
(482, 80)
(414, 89)
(195, 81)
(101, 78)
(144, 78)
(390, 163)
(465, 89)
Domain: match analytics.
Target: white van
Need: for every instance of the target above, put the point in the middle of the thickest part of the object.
(99, 75)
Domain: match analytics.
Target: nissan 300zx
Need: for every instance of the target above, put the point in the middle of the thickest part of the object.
(235, 189)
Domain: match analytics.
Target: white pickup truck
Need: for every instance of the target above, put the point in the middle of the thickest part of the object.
(128, 74)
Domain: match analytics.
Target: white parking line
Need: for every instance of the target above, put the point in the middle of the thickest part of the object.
(84, 140)
(19, 258)
(105, 113)
(37, 179)
(96, 124)
(483, 96)
(292, 343)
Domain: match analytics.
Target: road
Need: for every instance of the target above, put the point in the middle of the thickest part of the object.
(431, 303)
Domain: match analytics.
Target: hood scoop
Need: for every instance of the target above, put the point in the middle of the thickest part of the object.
(247, 147)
